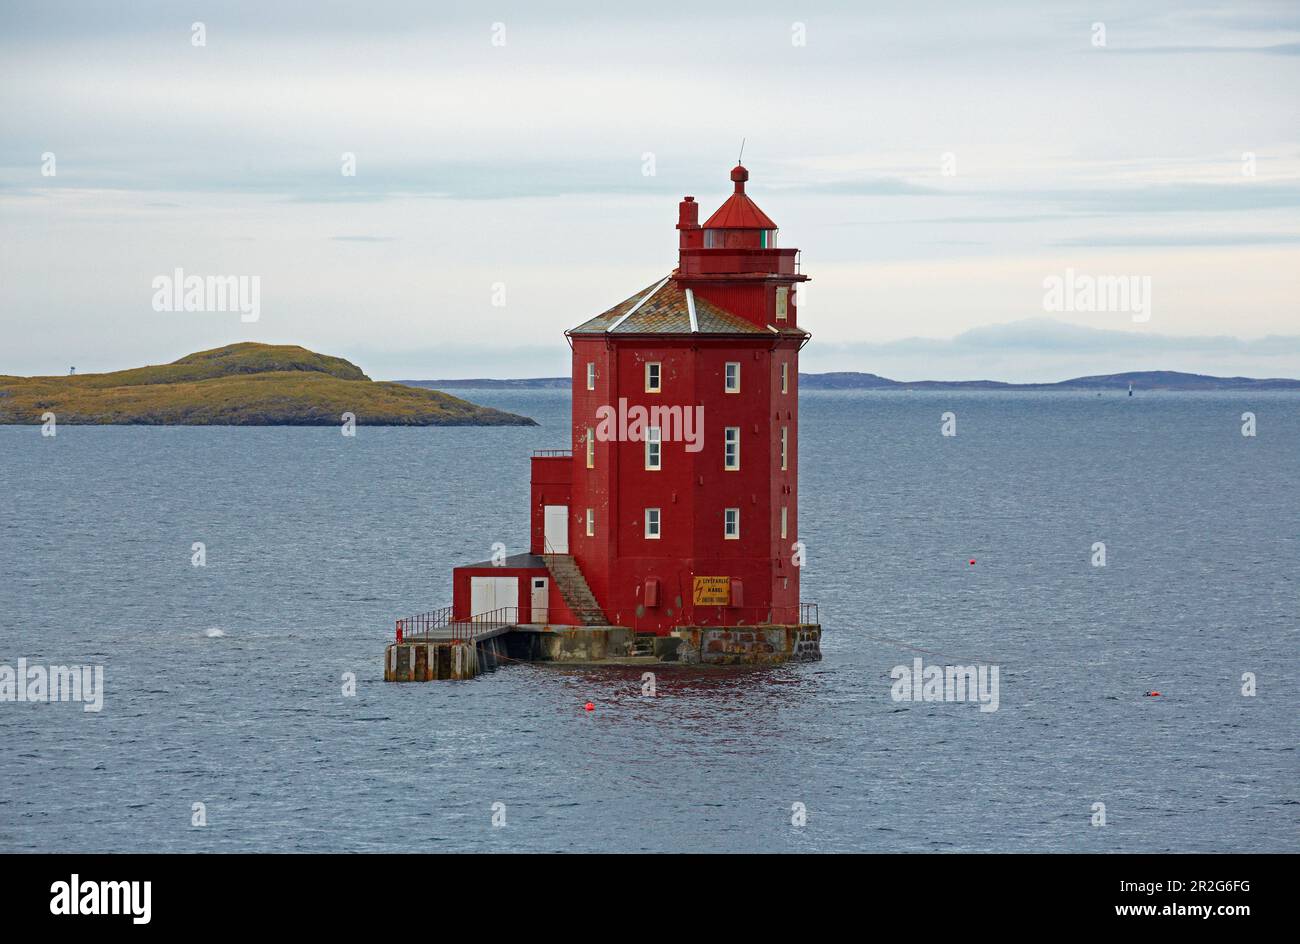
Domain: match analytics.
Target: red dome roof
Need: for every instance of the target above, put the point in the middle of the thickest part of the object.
(739, 212)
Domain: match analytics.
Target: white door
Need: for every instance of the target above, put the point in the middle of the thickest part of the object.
(556, 521)
(492, 593)
(541, 600)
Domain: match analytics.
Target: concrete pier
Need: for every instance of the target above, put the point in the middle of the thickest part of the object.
(434, 659)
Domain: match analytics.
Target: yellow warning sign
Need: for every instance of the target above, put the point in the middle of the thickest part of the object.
(712, 591)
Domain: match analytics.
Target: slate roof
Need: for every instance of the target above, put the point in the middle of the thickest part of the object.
(514, 560)
(666, 312)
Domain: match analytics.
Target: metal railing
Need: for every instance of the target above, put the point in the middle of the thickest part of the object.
(804, 614)
(440, 625)
(552, 453)
(423, 624)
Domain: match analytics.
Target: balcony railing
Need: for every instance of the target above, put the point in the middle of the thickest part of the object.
(552, 453)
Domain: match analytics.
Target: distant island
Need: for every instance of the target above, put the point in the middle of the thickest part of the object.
(487, 383)
(852, 380)
(243, 384)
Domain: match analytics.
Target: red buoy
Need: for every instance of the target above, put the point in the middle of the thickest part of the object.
(589, 706)
(972, 562)
(1153, 694)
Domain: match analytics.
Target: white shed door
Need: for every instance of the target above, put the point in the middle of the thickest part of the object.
(492, 593)
(541, 600)
(556, 521)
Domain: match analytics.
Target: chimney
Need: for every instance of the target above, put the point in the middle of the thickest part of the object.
(688, 224)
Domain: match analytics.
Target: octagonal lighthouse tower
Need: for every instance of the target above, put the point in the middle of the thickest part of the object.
(676, 514)
(684, 504)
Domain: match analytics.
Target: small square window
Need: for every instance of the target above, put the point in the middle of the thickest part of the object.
(733, 377)
(782, 302)
(652, 371)
(652, 524)
(731, 524)
(591, 376)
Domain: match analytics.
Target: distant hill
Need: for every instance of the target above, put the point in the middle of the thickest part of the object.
(1141, 380)
(243, 384)
(486, 383)
(852, 380)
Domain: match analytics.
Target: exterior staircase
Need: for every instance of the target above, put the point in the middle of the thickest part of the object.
(573, 589)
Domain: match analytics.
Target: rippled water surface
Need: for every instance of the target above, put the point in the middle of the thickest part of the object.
(223, 682)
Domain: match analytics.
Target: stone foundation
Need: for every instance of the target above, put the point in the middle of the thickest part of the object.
(574, 645)
(749, 645)
(585, 644)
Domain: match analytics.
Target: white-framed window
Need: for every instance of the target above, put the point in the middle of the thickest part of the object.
(731, 448)
(591, 448)
(591, 522)
(785, 522)
(653, 448)
(591, 375)
(731, 524)
(653, 369)
(652, 524)
(785, 447)
(732, 384)
(782, 301)
(785, 377)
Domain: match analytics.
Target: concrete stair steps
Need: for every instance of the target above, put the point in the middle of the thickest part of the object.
(574, 590)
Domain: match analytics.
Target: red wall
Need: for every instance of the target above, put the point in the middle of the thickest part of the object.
(550, 486)
(755, 302)
(558, 612)
(692, 489)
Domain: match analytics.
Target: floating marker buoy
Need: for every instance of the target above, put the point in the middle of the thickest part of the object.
(590, 707)
(972, 562)
(1152, 694)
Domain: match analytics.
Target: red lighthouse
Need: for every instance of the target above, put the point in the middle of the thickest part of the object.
(677, 509)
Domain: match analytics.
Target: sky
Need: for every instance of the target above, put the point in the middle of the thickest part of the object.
(518, 168)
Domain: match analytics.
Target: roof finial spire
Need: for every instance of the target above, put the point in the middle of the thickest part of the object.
(741, 158)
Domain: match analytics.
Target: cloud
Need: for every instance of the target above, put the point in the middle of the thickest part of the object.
(863, 187)
(1184, 239)
(1243, 195)
(1048, 336)
(523, 164)
(1277, 49)
(322, 182)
